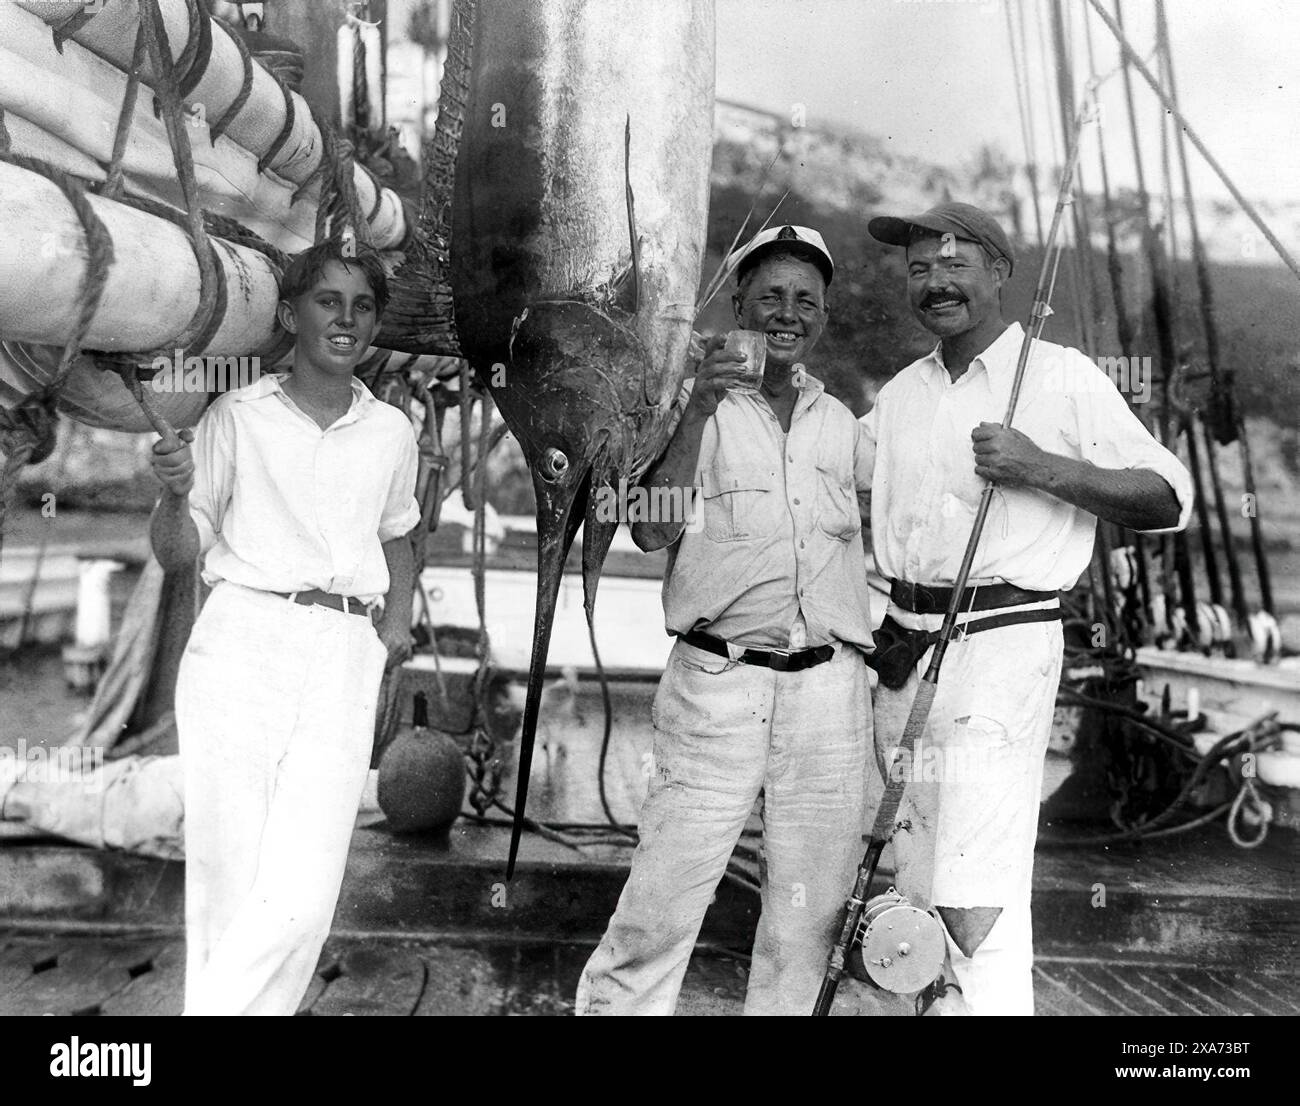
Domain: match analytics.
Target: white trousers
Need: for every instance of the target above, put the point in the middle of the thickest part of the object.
(723, 732)
(275, 706)
(969, 816)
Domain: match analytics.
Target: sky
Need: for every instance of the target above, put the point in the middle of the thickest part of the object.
(935, 78)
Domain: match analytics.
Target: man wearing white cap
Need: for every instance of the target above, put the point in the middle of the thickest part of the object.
(1075, 453)
(765, 690)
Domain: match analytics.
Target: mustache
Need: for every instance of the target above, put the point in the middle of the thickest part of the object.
(931, 298)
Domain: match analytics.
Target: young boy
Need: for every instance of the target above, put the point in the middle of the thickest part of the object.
(299, 494)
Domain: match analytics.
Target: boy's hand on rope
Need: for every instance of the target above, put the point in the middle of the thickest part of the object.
(173, 463)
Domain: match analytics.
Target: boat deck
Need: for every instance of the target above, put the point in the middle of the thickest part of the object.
(125, 976)
(1188, 927)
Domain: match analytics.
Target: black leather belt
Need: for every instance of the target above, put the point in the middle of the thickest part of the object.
(923, 599)
(779, 660)
(316, 597)
(900, 649)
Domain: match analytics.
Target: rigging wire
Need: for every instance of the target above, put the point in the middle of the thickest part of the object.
(1249, 208)
(1124, 325)
(1033, 166)
(1185, 411)
(1026, 135)
(1222, 399)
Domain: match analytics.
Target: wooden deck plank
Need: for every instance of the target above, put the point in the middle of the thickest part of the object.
(397, 977)
(1162, 988)
(1048, 1000)
(1061, 995)
(1201, 863)
(1122, 979)
(1269, 997)
(17, 960)
(375, 981)
(714, 986)
(1212, 993)
(1228, 979)
(462, 982)
(1176, 980)
(86, 974)
(1286, 987)
(1095, 993)
(315, 989)
(157, 993)
(542, 980)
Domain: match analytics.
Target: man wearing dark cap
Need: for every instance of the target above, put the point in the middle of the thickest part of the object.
(1075, 453)
(765, 690)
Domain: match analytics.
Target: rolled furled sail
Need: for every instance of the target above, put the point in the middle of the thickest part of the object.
(94, 395)
(63, 108)
(273, 125)
(153, 285)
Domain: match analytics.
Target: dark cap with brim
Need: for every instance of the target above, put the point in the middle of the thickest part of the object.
(965, 221)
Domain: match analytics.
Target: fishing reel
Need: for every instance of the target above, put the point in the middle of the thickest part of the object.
(897, 947)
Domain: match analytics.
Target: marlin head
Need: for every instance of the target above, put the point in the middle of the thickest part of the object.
(572, 393)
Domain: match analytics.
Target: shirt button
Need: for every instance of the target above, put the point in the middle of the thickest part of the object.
(796, 503)
(802, 543)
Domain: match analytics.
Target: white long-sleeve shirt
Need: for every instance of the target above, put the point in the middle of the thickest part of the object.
(924, 489)
(282, 505)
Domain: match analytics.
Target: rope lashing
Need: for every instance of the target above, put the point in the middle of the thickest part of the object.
(360, 88)
(218, 128)
(1261, 812)
(27, 436)
(264, 162)
(379, 191)
(465, 401)
(224, 230)
(193, 62)
(113, 183)
(99, 255)
(211, 277)
(337, 208)
(70, 26)
(219, 226)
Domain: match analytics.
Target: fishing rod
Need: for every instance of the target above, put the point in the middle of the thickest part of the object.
(882, 829)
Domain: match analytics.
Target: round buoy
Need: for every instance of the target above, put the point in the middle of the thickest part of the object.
(421, 777)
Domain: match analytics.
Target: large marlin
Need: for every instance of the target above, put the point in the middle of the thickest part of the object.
(576, 233)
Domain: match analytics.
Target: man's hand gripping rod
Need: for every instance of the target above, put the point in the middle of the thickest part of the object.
(882, 829)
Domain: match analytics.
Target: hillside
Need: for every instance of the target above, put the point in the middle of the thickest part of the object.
(838, 181)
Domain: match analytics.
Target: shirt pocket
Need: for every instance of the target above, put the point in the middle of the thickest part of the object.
(837, 502)
(738, 505)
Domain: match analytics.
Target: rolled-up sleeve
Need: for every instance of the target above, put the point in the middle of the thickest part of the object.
(401, 510)
(213, 451)
(1112, 436)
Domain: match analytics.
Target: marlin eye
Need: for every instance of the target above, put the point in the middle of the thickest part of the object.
(554, 465)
